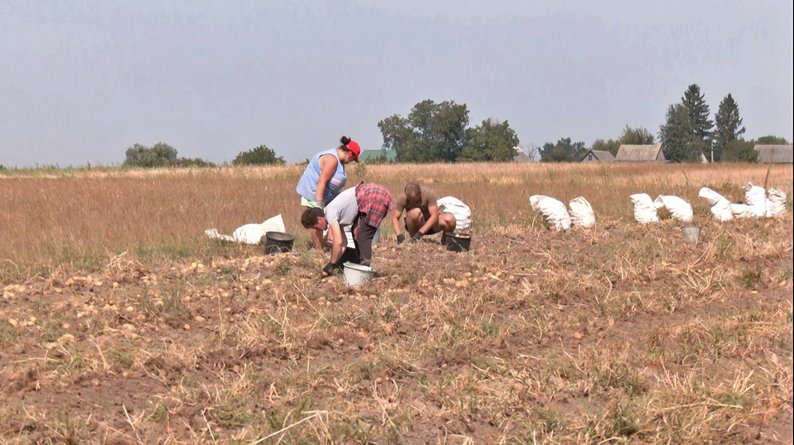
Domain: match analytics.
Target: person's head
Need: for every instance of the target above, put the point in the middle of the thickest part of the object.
(349, 150)
(447, 222)
(413, 193)
(314, 218)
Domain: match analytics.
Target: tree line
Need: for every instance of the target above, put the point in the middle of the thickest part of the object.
(687, 135)
(164, 155)
(440, 132)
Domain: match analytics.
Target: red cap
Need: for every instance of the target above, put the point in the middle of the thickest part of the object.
(354, 148)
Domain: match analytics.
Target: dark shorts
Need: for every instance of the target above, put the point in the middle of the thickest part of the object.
(432, 230)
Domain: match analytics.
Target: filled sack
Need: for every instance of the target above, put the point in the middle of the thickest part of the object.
(554, 212)
(776, 203)
(582, 214)
(644, 210)
(720, 206)
(250, 233)
(755, 199)
(678, 208)
(456, 207)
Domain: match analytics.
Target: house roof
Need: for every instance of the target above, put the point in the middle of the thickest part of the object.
(640, 153)
(378, 154)
(776, 154)
(601, 155)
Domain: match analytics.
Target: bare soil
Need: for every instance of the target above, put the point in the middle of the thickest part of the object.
(624, 334)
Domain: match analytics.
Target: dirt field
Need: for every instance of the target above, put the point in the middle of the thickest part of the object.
(621, 334)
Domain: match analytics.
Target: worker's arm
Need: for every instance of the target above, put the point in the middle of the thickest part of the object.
(395, 221)
(338, 246)
(328, 165)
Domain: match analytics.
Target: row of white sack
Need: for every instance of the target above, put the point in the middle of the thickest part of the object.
(253, 233)
(758, 203)
(557, 216)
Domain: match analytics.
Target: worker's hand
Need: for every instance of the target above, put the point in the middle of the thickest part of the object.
(400, 238)
(332, 269)
(417, 236)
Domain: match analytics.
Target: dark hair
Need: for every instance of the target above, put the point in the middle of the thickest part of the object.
(412, 190)
(344, 141)
(310, 217)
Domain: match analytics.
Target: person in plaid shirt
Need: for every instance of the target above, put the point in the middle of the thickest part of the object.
(362, 207)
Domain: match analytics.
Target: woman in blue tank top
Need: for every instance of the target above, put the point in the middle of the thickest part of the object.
(325, 177)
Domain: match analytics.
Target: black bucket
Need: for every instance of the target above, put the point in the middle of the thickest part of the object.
(278, 242)
(458, 243)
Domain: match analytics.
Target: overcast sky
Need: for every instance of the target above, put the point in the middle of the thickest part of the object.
(80, 81)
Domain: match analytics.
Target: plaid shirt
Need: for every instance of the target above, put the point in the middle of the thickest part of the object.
(374, 202)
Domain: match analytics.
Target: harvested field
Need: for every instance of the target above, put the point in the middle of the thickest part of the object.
(121, 324)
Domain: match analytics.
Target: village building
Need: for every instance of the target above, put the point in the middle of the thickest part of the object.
(773, 154)
(597, 156)
(640, 153)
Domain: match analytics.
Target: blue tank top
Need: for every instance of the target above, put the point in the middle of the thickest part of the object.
(307, 185)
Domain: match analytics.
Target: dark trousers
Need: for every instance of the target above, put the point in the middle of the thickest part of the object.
(363, 240)
(363, 236)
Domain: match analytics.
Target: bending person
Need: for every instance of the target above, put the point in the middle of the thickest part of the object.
(363, 208)
(325, 177)
(422, 216)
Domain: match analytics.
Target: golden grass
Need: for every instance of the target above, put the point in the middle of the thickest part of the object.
(80, 219)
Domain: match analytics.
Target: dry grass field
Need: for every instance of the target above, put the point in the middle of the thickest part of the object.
(122, 324)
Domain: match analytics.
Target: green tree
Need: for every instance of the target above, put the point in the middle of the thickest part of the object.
(562, 151)
(677, 135)
(772, 140)
(698, 111)
(739, 150)
(611, 145)
(432, 132)
(728, 125)
(636, 136)
(398, 136)
(261, 155)
(159, 155)
(491, 141)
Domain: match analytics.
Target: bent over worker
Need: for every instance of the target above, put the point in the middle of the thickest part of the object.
(422, 217)
(363, 208)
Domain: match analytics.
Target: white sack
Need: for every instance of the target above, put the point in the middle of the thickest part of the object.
(755, 198)
(581, 212)
(678, 208)
(461, 212)
(250, 233)
(644, 210)
(720, 206)
(741, 211)
(776, 203)
(554, 212)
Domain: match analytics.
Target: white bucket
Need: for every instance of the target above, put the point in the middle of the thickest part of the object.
(691, 234)
(357, 273)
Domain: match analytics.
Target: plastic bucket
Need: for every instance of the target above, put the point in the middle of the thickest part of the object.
(278, 242)
(355, 274)
(690, 234)
(458, 243)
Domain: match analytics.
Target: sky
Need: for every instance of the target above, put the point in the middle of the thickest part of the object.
(81, 81)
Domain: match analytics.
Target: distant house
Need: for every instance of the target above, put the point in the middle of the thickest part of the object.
(640, 153)
(774, 154)
(378, 156)
(597, 156)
